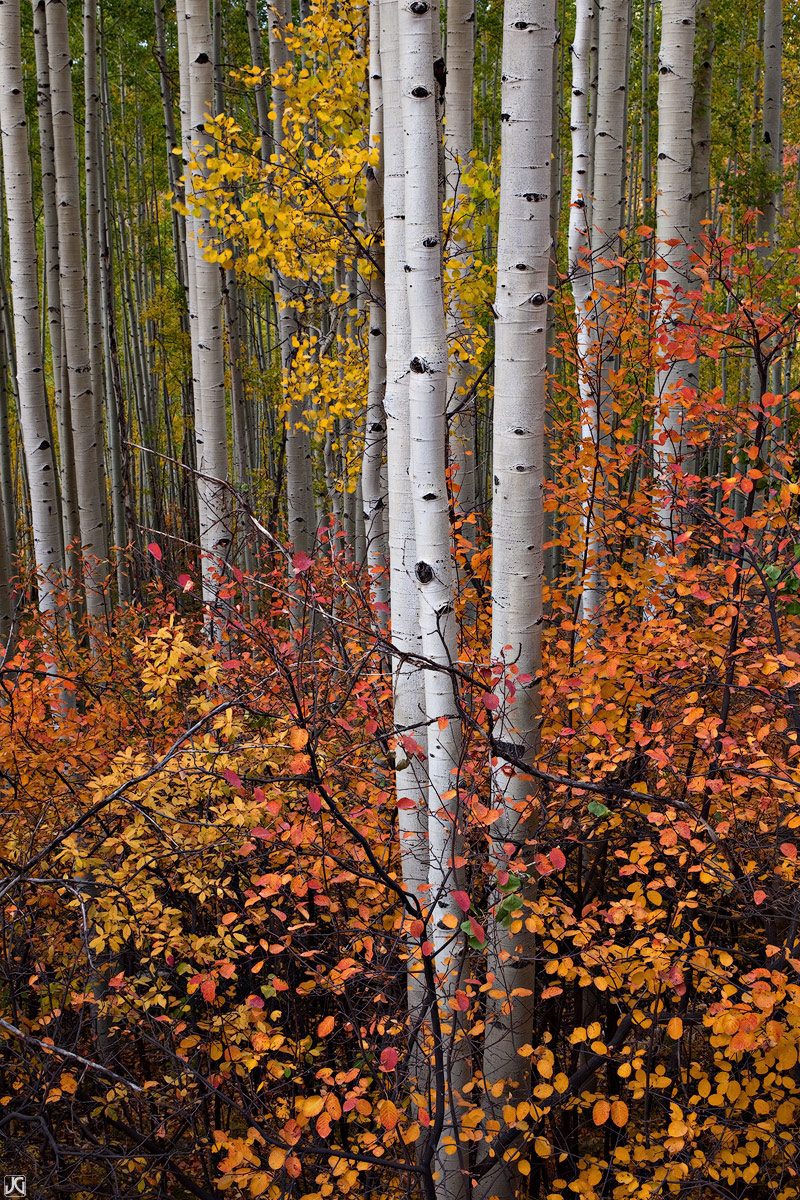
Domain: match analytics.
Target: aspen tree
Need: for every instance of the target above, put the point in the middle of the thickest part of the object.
(459, 123)
(771, 115)
(299, 482)
(33, 415)
(523, 261)
(205, 297)
(701, 120)
(407, 682)
(434, 569)
(608, 201)
(674, 220)
(373, 500)
(67, 479)
(579, 257)
(86, 424)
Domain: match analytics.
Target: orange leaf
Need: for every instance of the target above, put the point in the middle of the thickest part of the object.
(601, 1112)
(388, 1114)
(675, 1028)
(298, 738)
(325, 1026)
(619, 1113)
(208, 989)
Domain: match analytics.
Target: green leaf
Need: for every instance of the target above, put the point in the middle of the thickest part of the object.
(598, 809)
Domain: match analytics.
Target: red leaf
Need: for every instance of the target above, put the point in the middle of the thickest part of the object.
(557, 859)
(314, 801)
(255, 1002)
(759, 896)
(186, 581)
(155, 550)
(462, 900)
(789, 849)
(490, 701)
(478, 932)
(232, 778)
(389, 1059)
(301, 562)
(404, 802)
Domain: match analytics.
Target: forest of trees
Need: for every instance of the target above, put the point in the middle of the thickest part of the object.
(400, 599)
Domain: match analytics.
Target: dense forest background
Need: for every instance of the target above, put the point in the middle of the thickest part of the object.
(399, 599)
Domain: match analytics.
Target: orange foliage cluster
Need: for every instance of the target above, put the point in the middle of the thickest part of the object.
(206, 942)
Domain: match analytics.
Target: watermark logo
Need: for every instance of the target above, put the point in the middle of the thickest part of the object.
(15, 1185)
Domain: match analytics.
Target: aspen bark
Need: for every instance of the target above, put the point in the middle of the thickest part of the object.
(771, 116)
(211, 432)
(434, 570)
(701, 120)
(458, 146)
(674, 224)
(67, 479)
(33, 414)
(408, 694)
(372, 494)
(523, 260)
(88, 452)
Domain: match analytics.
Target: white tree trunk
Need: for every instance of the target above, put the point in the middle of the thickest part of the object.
(701, 122)
(88, 453)
(771, 113)
(673, 224)
(69, 494)
(434, 570)
(459, 125)
(408, 692)
(523, 259)
(372, 494)
(580, 269)
(33, 417)
(211, 425)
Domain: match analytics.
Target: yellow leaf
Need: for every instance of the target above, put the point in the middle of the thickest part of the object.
(619, 1113)
(298, 738)
(388, 1114)
(542, 1147)
(68, 1084)
(259, 1183)
(526, 1051)
(675, 1028)
(601, 1112)
(277, 1158)
(313, 1106)
(524, 1167)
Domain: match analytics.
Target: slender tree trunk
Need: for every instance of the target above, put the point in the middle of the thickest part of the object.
(523, 259)
(88, 451)
(373, 498)
(434, 570)
(69, 486)
(409, 700)
(674, 224)
(33, 414)
(458, 146)
(771, 116)
(701, 120)
(206, 319)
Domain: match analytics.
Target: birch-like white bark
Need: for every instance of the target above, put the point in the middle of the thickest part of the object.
(372, 495)
(673, 227)
(771, 114)
(701, 121)
(523, 260)
(89, 466)
(67, 479)
(23, 259)
(434, 570)
(205, 292)
(458, 136)
(408, 692)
